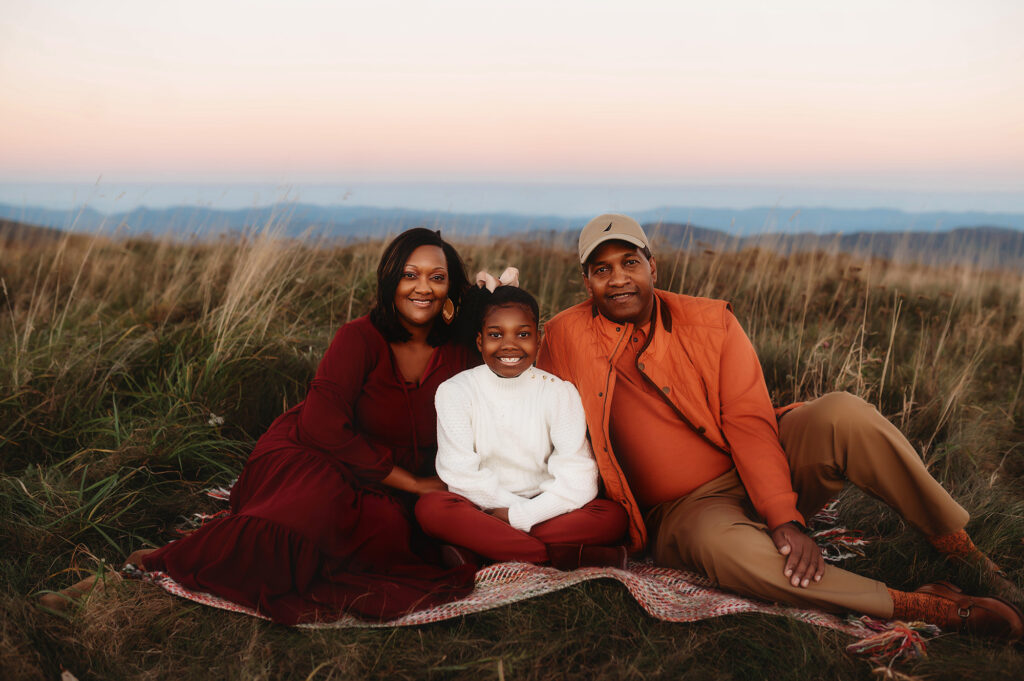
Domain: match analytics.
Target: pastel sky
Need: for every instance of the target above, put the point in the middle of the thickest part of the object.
(907, 95)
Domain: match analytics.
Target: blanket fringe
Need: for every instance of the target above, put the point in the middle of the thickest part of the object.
(893, 640)
(891, 674)
(190, 525)
(221, 493)
(836, 543)
(839, 543)
(827, 516)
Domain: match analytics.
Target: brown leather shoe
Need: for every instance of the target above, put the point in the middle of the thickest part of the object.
(993, 579)
(980, 614)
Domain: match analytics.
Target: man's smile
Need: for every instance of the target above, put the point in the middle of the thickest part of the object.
(622, 295)
(620, 279)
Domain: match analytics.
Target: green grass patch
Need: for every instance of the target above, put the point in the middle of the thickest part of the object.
(135, 373)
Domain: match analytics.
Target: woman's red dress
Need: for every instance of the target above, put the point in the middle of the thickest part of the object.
(312, 533)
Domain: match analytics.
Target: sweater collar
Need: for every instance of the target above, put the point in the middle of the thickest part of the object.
(504, 386)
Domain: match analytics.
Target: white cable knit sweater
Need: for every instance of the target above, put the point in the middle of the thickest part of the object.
(516, 442)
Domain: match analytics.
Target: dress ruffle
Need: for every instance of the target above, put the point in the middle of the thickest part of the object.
(305, 543)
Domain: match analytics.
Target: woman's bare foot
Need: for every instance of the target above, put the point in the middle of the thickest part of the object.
(65, 598)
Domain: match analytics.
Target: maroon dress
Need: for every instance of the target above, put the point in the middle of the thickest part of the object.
(312, 533)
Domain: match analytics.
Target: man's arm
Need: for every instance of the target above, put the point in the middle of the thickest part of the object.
(750, 426)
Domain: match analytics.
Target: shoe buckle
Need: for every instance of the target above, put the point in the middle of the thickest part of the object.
(964, 612)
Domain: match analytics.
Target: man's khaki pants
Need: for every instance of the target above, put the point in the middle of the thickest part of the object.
(834, 439)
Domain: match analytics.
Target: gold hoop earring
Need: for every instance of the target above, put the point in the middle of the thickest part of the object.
(448, 311)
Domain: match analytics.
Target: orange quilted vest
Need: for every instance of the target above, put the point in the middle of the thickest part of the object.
(681, 358)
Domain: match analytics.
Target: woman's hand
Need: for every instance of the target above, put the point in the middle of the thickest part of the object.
(430, 484)
(399, 478)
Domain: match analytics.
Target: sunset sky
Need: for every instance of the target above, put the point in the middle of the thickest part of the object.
(915, 97)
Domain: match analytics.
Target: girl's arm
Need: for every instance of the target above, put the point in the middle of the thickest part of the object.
(571, 463)
(458, 463)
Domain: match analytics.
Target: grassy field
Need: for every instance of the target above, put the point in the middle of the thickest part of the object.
(119, 358)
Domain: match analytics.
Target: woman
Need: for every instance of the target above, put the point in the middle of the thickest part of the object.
(321, 517)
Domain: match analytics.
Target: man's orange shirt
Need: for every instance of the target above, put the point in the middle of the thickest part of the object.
(710, 378)
(651, 441)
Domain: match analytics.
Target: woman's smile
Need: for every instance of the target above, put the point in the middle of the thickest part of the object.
(422, 290)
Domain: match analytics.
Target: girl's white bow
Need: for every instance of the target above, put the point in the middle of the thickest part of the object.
(510, 277)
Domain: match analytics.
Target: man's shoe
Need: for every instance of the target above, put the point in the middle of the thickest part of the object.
(572, 556)
(997, 582)
(980, 614)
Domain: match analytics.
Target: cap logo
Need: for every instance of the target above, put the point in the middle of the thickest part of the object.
(608, 227)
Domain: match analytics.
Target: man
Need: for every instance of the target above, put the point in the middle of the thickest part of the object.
(712, 477)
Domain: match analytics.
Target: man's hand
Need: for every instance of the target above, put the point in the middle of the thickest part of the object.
(499, 513)
(804, 561)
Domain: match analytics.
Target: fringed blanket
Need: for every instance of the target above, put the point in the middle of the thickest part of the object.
(664, 593)
(670, 595)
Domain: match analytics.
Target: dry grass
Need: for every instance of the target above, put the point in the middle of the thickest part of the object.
(115, 353)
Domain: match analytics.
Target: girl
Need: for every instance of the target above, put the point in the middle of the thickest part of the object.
(512, 448)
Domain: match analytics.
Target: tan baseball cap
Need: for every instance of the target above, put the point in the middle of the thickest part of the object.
(610, 227)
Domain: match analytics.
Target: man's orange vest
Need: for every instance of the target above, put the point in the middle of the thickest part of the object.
(681, 359)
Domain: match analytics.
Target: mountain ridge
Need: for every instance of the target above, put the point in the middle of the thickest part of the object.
(983, 243)
(365, 220)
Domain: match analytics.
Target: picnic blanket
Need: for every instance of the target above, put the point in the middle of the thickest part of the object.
(664, 593)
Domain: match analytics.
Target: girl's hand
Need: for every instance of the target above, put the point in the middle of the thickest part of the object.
(499, 513)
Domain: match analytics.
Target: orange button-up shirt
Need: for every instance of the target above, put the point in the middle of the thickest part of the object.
(708, 372)
(662, 457)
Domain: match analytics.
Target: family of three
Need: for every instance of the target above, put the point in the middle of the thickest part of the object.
(639, 423)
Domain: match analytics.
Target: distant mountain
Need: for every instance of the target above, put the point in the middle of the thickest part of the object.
(11, 230)
(346, 221)
(291, 219)
(989, 239)
(983, 246)
(789, 220)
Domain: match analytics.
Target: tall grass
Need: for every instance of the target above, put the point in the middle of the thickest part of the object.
(135, 372)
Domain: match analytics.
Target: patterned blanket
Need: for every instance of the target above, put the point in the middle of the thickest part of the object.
(670, 595)
(664, 593)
